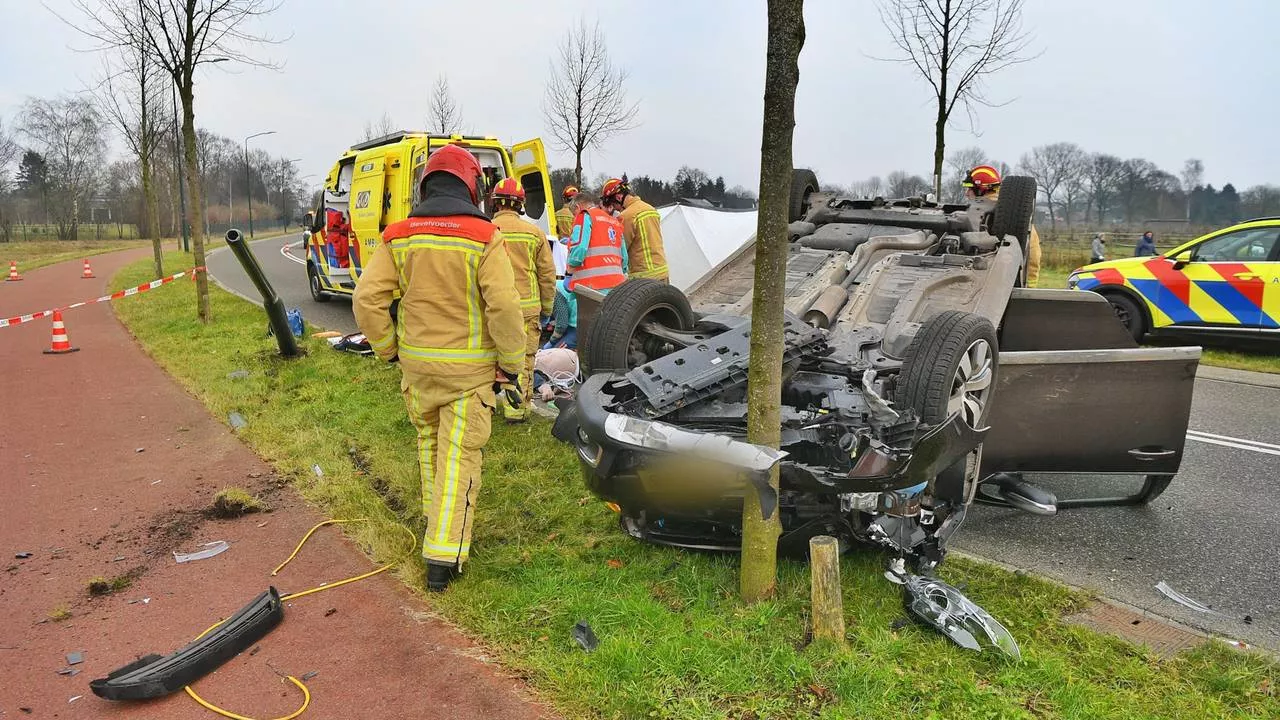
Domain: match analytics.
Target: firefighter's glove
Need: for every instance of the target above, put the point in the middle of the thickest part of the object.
(508, 386)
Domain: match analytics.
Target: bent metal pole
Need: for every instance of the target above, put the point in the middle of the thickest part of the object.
(271, 302)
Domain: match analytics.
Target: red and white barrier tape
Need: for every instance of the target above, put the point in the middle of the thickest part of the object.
(19, 319)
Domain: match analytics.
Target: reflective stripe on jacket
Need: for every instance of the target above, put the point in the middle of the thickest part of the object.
(642, 227)
(530, 255)
(597, 251)
(459, 310)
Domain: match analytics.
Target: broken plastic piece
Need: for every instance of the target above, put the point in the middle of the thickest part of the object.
(310, 675)
(956, 616)
(237, 420)
(69, 672)
(154, 675)
(316, 469)
(210, 549)
(237, 374)
(584, 636)
(22, 555)
(77, 697)
(75, 658)
(1183, 600)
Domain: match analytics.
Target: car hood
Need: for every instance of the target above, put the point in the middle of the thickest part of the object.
(1121, 264)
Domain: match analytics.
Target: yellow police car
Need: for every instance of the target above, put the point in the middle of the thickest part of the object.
(1225, 282)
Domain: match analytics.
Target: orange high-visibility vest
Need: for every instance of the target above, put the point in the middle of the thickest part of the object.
(602, 267)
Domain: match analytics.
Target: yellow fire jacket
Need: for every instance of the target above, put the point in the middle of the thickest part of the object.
(642, 228)
(530, 254)
(459, 315)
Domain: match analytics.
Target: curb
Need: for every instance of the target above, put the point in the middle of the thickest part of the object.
(1242, 377)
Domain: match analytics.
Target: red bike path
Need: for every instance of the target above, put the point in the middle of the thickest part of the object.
(105, 466)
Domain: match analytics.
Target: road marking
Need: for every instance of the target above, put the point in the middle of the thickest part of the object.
(1234, 442)
(289, 256)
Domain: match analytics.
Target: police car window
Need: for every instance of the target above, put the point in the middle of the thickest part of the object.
(1253, 245)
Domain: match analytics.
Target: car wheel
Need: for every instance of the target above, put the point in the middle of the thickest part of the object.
(1013, 213)
(950, 367)
(1129, 315)
(617, 341)
(1152, 487)
(804, 183)
(313, 281)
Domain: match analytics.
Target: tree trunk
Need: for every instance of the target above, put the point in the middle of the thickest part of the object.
(150, 208)
(185, 91)
(764, 376)
(577, 167)
(939, 147)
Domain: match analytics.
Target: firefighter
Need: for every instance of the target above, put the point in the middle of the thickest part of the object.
(597, 249)
(459, 336)
(642, 227)
(535, 277)
(565, 215)
(984, 182)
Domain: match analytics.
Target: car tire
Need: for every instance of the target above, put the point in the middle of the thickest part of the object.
(608, 345)
(313, 282)
(1129, 314)
(1152, 487)
(933, 381)
(1013, 213)
(804, 183)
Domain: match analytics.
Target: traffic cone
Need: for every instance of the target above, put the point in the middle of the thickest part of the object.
(60, 342)
(88, 271)
(13, 272)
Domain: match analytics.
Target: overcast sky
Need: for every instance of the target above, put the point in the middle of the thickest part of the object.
(1160, 79)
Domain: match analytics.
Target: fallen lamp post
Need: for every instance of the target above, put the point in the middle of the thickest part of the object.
(271, 302)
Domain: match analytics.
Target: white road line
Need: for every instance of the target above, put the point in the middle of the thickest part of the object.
(1228, 438)
(1231, 442)
(289, 256)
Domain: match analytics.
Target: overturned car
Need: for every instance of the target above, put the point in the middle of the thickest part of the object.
(919, 375)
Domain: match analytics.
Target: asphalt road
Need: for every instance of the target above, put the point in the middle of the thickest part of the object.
(1214, 535)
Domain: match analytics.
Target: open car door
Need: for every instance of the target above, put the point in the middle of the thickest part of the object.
(1075, 394)
(529, 166)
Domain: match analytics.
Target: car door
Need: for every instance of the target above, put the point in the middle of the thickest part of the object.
(1226, 278)
(1075, 394)
(529, 166)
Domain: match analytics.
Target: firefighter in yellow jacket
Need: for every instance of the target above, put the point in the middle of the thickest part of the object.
(458, 335)
(642, 228)
(535, 278)
(564, 216)
(984, 182)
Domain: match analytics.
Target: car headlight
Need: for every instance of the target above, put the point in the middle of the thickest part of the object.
(661, 437)
(1073, 280)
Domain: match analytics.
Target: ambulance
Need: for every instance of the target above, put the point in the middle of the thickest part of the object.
(376, 183)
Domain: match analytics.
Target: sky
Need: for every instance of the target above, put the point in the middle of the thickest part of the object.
(1164, 80)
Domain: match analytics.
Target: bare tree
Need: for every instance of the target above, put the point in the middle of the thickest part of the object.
(131, 95)
(1051, 166)
(955, 45)
(444, 116)
(903, 184)
(1133, 181)
(585, 102)
(68, 132)
(1102, 173)
(1192, 177)
(183, 35)
(759, 571)
(378, 128)
(870, 188)
(960, 162)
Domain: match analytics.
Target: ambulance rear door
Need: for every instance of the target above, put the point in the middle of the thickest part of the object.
(529, 165)
(367, 205)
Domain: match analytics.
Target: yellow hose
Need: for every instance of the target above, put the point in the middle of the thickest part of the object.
(306, 694)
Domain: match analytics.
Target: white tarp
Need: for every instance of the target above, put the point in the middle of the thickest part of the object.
(698, 239)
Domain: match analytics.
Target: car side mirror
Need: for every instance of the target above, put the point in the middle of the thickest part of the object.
(1181, 259)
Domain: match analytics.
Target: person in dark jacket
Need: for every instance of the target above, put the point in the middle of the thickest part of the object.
(1146, 245)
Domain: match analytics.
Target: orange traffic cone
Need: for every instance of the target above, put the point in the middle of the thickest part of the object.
(13, 271)
(88, 271)
(60, 342)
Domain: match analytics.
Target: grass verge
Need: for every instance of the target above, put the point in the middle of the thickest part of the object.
(675, 641)
(32, 254)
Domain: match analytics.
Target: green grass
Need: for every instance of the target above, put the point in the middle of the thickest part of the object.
(32, 254)
(675, 641)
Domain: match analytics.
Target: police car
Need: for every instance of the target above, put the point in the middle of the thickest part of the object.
(1225, 282)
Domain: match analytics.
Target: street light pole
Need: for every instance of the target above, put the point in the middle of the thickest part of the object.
(247, 181)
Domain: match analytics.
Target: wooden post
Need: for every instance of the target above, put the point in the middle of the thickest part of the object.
(824, 578)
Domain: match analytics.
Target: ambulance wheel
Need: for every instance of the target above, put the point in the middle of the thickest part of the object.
(313, 281)
(617, 340)
(803, 185)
